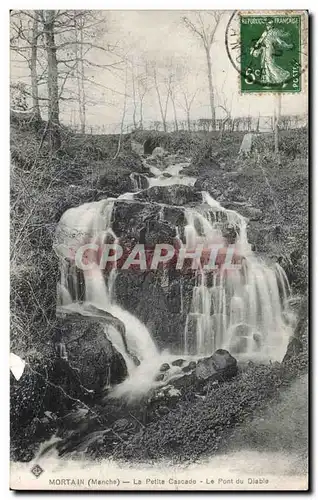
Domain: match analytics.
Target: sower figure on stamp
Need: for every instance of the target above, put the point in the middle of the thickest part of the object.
(265, 46)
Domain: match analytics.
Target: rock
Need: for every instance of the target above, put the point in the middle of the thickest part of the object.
(121, 425)
(89, 351)
(163, 410)
(108, 318)
(172, 392)
(159, 377)
(247, 142)
(114, 179)
(175, 194)
(138, 221)
(150, 144)
(220, 366)
(185, 382)
(164, 367)
(241, 338)
(297, 349)
(257, 337)
(139, 181)
(158, 151)
(178, 362)
(191, 366)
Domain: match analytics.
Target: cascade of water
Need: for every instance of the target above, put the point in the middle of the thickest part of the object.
(174, 176)
(93, 222)
(162, 180)
(139, 181)
(242, 310)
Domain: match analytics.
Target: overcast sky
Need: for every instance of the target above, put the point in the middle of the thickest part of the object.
(160, 36)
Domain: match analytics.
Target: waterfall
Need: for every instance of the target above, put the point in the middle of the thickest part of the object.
(170, 176)
(241, 308)
(91, 222)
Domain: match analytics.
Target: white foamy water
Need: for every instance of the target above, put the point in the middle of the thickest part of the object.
(170, 181)
(242, 309)
(93, 222)
(174, 176)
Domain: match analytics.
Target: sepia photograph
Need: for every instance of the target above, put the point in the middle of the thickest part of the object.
(159, 250)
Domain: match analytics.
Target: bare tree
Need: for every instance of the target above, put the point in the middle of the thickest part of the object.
(134, 95)
(186, 104)
(123, 116)
(140, 83)
(143, 87)
(163, 97)
(48, 19)
(204, 30)
(79, 56)
(175, 116)
(33, 64)
(80, 70)
(277, 114)
(24, 41)
(225, 103)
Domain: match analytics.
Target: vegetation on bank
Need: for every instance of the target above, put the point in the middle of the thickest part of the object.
(43, 186)
(204, 425)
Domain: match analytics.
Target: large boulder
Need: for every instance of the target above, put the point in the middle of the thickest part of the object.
(115, 179)
(89, 351)
(48, 388)
(220, 366)
(135, 221)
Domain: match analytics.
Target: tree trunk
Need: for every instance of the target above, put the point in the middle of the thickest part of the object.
(277, 121)
(188, 120)
(211, 91)
(176, 127)
(122, 120)
(163, 117)
(257, 124)
(34, 76)
(134, 99)
(80, 73)
(83, 124)
(141, 114)
(52, 82)
(78, 79)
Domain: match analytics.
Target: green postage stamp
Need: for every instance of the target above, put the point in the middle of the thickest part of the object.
(267, 50)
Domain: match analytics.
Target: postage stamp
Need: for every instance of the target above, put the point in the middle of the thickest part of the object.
(267, 50)
(159, 250)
